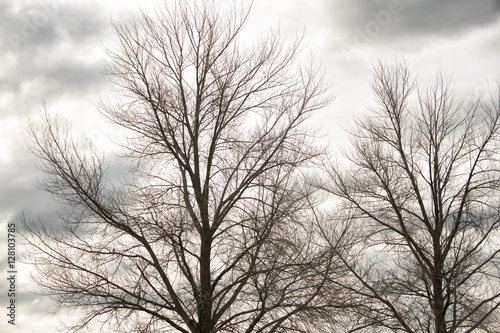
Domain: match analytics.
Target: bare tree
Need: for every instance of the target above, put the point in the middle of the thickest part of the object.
(420, 190)
(211, 231)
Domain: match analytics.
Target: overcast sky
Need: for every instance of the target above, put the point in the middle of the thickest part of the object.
(51, 51)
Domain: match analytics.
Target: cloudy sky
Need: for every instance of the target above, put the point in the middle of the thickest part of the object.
(51, 52)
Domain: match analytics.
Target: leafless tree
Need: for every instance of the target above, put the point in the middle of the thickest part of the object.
(212, 230)
(420, 191)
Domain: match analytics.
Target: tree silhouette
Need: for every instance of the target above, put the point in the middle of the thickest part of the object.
(211, 231)
(420, 192)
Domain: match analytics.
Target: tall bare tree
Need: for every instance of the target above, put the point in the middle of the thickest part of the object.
(420, 190)
(211, 232)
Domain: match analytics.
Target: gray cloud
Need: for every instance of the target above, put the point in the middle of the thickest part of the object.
(51, 50)
(445, 16)
(417, 17)
(46, 24)
(407, 27)
(20, 193)
(57, 56)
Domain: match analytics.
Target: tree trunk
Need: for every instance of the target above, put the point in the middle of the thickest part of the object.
(438, 297)
(205, 323)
